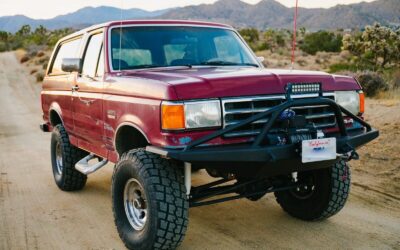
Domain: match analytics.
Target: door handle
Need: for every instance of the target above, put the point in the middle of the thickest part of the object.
(75, 89)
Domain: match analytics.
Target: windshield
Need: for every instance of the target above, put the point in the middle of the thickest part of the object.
(158, 46)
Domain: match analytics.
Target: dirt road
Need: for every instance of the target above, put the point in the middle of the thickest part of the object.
(34, 214)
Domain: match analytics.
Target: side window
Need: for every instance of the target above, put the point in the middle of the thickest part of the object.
(92, 55)
(227, 49)
(66, 50)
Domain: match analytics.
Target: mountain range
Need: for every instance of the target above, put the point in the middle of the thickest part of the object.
(263, 15)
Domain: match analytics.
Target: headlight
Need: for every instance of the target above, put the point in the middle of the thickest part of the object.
(353, 101)
(190, 115)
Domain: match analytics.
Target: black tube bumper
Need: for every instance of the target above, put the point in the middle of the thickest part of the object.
(244, 153)
(259, 153)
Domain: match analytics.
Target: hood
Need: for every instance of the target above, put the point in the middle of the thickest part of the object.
(216, 82)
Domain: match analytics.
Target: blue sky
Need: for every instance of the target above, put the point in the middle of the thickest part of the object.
(50, 8)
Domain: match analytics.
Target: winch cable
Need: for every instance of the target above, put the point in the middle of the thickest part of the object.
(294, 33)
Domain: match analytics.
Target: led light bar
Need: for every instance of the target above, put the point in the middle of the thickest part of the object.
(303, 88)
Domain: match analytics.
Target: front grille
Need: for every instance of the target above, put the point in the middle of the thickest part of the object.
(236, 110)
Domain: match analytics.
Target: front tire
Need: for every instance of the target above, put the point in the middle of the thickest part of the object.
(149, 201)
(64, 156)
(325, 194)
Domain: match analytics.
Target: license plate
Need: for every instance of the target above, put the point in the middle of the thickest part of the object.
(318, 150)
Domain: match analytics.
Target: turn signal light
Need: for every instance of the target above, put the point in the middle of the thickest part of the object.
(362, 102)
(172, 116)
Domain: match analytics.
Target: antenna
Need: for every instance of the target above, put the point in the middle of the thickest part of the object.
(294, 33)
(120, 36)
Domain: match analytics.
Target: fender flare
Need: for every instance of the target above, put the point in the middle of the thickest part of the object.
(129, 124)
(54, 106)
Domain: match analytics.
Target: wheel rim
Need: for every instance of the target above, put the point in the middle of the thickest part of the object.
(305, 191)
(135, 204)
(59, 158)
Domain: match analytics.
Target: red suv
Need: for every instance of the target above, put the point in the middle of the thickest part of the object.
(161, 99)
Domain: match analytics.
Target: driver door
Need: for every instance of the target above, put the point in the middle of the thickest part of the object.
(87, 97)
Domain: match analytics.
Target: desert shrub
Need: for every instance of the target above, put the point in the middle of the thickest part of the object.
(42, 60)
(24, 59)
(275, 39)
(377, 47)
(44, 66)
(3, 46)
(39, 76)
(267, 40)
(32, 53)
(321, 41)
(40, 54)
(4, 41)
(33, 71)
(338, 67)
(26, 38)
(263, 46)
(251, 35)
(301, 62)
(396, 79)
(372, 83)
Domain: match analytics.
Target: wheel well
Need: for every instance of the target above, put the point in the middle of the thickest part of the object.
(54, 118)
(128, 138)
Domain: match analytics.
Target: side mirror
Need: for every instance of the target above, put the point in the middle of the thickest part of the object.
(71, 64)
(261, 59)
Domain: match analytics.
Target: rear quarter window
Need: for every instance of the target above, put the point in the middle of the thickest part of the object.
(67, 49)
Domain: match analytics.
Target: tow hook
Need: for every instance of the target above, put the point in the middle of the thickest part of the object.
(351, 155)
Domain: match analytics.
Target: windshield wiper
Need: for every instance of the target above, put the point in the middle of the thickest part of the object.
(144, 66)
(227, 63)
(155, 66)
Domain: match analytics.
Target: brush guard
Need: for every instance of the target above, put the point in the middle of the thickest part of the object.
(258, 150)
(273, 160)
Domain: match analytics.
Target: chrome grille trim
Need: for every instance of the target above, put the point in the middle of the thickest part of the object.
(236, 109)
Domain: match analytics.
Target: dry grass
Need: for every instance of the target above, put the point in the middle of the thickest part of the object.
(391, 96)
(321, 61)
(34, 63)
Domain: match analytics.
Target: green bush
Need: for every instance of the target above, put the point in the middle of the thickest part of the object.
(39, 76)
(338, 67)
(321, 41)
(372, 83)
(377, 47)
(33, 41)
(251, 35)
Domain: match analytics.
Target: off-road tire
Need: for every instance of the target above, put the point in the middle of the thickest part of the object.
(332, 187)
(70, 179)
(163, 184)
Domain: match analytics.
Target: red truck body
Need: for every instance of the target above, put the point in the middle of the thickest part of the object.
(134, 98)
(164, 98)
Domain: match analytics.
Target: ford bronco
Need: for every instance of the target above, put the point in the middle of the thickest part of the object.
(161, 99)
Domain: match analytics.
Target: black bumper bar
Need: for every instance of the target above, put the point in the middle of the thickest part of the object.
(257, 151)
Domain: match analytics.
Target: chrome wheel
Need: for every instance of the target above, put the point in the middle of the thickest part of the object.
(59, 158)
(135, 204)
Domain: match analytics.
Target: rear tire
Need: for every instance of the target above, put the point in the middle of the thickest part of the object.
(149, 201)
(325, 197)
(64, 156)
